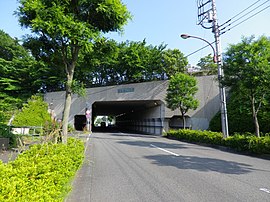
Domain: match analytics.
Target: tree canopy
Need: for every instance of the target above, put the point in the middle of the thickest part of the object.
(247, 71)
(180, 94)
(113, 63)
(66, 27)
(207, 65)
(20, 75)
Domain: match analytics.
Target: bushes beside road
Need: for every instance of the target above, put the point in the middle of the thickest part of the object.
(250, 143)
(5, 132)
(240, 142)
(197, 136)
(42, 173)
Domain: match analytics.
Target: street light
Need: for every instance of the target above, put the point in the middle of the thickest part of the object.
(186, 36)
(217, 60)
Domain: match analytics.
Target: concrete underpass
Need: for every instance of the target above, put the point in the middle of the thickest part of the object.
(137, 107)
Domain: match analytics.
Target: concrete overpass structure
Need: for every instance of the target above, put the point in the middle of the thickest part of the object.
(140, 107)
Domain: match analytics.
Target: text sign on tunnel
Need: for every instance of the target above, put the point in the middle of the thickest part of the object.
(125, 90)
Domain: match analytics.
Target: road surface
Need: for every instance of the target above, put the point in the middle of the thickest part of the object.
(131, 167)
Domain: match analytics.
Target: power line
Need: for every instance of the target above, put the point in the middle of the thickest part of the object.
(245, 9)
(236, 21)
(199, 49)
(240, 13)
(245, 20)
(256, 8)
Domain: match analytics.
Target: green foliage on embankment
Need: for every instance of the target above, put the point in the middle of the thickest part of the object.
(42, 173)
(239, 142)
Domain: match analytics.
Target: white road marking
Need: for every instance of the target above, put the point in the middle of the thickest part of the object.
(265, 190)
(88, 137)
(86, 145)
(136, 138)
(164, 150)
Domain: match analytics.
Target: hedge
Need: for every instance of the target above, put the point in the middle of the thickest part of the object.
(250, 143)
(197, 136)
(5, 132)
(42, 173)
(240, 142)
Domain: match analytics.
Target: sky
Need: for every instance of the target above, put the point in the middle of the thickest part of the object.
(162, 22)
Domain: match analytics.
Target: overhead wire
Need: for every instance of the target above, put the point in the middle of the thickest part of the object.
(244, 15)
(249, 17)
(226, 30)
(245, 9)
(199, 49)
(239, 13)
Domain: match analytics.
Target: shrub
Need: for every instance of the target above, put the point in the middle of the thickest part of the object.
(34, 113)
(246, 142)
(3, 117)
(238, 142)
(208, 137)
(5, 132)
(42, 173)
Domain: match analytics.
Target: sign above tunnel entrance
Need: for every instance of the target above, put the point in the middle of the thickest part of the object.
(125, 90)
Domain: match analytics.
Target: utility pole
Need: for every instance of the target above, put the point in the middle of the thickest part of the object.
(222, 91)
(207, 13)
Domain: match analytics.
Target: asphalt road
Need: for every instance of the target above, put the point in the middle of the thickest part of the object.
(130, 167)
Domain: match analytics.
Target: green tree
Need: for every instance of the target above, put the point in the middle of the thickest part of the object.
(52, 74)
(114, 63)
(207, 65)
(100, 66)
(20, 75)
(136, 61)
(68, 27)
(34, 113)
(174, 62)
(180, 94)
(240, 115)
(247, 71)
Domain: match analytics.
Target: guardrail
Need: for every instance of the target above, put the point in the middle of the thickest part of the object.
(27, 130)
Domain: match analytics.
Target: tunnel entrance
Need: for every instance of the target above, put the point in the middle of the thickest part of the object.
(79, 122)
(141, 116)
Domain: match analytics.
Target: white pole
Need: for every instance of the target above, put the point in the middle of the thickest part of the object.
(223, 107)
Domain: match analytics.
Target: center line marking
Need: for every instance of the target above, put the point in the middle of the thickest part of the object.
(265, 190)
(164, 150)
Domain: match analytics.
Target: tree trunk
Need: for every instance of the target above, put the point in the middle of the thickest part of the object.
(66, 115)
(255, 118)
(67, 105)
(69, 67)
(184, 121)
(183, 118)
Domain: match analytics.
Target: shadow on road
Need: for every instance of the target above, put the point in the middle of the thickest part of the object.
(201, 164)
